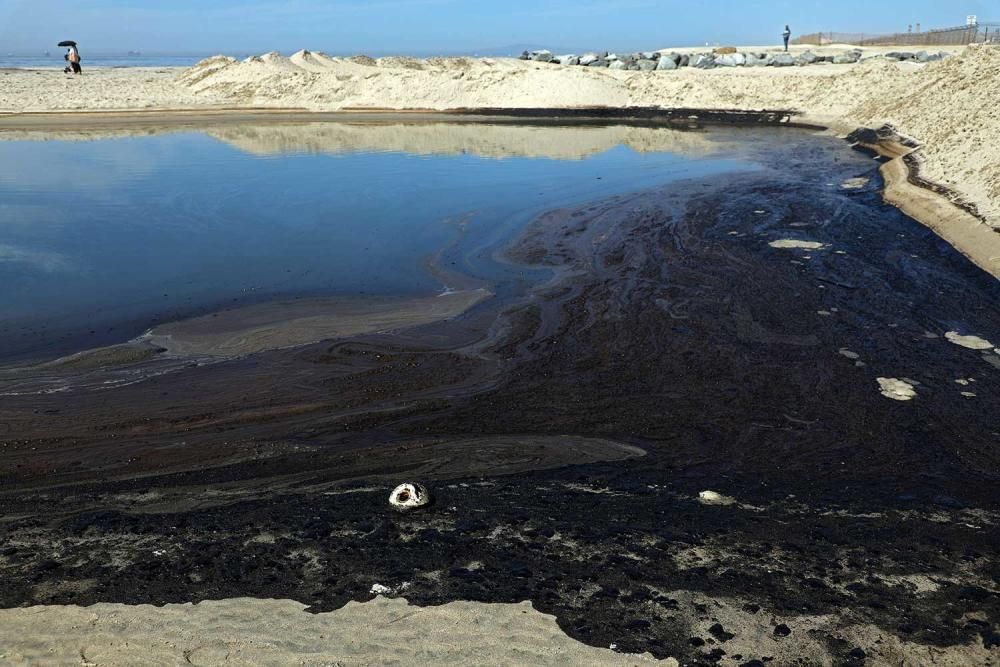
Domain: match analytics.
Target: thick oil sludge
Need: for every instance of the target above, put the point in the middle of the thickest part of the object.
(734, 327)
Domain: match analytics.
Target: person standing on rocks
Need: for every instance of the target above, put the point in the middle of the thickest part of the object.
(787, 34)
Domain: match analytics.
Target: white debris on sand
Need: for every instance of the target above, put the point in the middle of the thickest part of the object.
(897, 390)
(389, 591)
(409, 496)
(971, 342)
(854, 183)
(795, 244)
(715, 498)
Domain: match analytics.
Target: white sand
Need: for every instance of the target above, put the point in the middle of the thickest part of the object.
(278, 632)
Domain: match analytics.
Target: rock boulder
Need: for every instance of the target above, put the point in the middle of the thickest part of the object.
(731, 60)
(848, 58)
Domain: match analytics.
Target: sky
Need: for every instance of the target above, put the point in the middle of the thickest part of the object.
(421, 27)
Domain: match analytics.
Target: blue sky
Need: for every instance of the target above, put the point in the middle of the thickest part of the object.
(447, 26)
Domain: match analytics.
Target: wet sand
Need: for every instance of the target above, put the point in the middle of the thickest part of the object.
(860, 528)
(278, 324)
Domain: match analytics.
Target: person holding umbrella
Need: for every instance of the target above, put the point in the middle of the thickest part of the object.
(73, 56)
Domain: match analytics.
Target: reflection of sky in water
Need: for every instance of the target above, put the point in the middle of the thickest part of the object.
(122, 232)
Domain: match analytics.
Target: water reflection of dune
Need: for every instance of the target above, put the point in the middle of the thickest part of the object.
(499, 140)
(485, 140)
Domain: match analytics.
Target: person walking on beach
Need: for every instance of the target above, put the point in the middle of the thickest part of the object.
(787, 34)
(73, 56)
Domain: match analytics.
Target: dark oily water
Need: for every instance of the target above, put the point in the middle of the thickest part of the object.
(102, 239)
(749, 327)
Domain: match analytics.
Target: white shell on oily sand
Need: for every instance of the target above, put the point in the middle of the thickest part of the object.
(971, 342)
(409, 496)
(714, 498)
(793, 244)
(897, 390)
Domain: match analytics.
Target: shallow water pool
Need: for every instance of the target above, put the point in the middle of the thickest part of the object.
(101, 237)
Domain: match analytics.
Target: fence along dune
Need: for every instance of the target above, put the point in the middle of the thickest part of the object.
(976, 33)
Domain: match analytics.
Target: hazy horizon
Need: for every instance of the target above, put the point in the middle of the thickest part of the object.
(425, 27)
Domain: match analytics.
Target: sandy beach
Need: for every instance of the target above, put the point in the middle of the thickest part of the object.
(669, 449)
(384, 631)
(278, 632)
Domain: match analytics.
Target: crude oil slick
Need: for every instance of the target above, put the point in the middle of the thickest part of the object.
(673, 420)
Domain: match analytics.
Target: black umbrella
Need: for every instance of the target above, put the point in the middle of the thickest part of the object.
(68, 42)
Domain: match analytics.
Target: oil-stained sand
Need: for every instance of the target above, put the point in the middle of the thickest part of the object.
(863, 528)
(282, 324)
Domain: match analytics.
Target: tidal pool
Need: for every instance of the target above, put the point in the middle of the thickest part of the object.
(103, 237)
